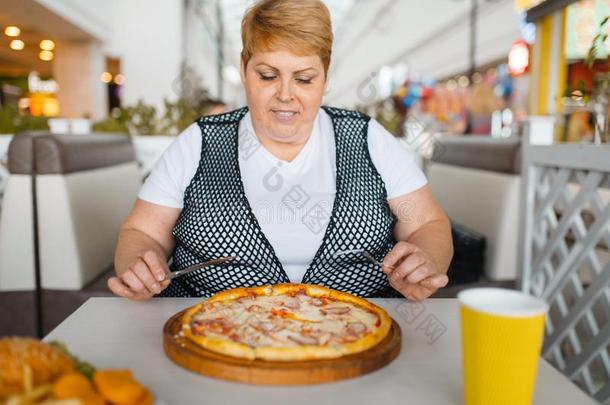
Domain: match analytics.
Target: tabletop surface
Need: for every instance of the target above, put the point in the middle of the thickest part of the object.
(116, 333)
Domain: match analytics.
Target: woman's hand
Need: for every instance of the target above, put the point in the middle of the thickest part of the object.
(145, 241)
(412, 272)
(144, 278)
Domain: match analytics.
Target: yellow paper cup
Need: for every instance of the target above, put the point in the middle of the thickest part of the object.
(502, 333)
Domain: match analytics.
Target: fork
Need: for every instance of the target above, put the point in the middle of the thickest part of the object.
(364, 253)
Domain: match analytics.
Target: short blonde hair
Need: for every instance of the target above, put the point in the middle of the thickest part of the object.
(302, 27)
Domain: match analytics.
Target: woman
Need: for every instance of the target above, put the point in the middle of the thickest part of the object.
(284, 185)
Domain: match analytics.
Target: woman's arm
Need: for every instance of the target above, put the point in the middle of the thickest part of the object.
(144, 244)
(424, 250)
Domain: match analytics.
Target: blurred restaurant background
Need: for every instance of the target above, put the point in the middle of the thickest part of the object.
(504, 102)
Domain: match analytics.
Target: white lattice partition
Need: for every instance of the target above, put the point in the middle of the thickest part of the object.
(566, 235)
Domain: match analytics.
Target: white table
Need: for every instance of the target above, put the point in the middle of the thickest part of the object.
(116, 333)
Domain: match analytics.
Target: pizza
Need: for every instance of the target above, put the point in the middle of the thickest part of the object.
(285, 322)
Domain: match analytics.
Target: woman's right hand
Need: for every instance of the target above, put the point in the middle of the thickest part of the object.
(147, 276)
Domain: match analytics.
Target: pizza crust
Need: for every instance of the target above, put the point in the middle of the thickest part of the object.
(301, 352)
(224, 346)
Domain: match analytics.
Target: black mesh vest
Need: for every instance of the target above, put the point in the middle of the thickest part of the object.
(217, 219)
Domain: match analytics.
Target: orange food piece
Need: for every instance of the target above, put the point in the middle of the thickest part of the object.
(47, 363)
(92, 399)
(72, 385)
(119, 387)
(145, 399)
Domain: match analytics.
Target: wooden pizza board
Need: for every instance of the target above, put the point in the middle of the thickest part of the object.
(195, 358)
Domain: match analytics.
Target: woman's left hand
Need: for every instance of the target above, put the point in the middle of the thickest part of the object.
(412, 272)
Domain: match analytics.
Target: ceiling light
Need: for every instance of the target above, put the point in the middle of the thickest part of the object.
(47, 45)
(12, 31)
(119, 79)
(45, 55)
(17, 44)
(106, 77)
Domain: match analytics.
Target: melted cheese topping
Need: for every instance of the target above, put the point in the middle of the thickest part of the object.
(284, 321)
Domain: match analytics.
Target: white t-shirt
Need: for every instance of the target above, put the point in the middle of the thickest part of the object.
(292, 201)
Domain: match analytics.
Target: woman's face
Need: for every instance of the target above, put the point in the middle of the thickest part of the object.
(284, 93)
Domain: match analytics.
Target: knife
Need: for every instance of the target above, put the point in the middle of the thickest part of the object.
(190, 269)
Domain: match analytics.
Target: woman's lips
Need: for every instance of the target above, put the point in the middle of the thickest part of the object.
(285, 116)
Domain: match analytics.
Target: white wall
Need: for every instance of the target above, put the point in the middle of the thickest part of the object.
(202, 51)
(77, 68)
(89, 15)
(201, 44)
(146, 36)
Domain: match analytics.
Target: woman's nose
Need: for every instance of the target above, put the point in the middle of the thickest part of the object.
(284, 92)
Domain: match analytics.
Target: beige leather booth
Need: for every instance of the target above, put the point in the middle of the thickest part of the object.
(85, 187)
(477, 181)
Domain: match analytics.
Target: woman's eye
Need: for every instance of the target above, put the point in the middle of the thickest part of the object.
(304, 81)
(267, 78)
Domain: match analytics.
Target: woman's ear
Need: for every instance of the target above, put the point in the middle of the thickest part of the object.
(242, 72)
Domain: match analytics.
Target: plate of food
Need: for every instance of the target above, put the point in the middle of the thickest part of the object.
(34, 372)
(282, 334)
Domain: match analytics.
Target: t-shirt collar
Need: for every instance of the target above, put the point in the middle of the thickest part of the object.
(311, 142)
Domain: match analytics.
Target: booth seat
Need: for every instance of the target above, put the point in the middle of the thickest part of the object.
(477, 182)
(85, 185)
